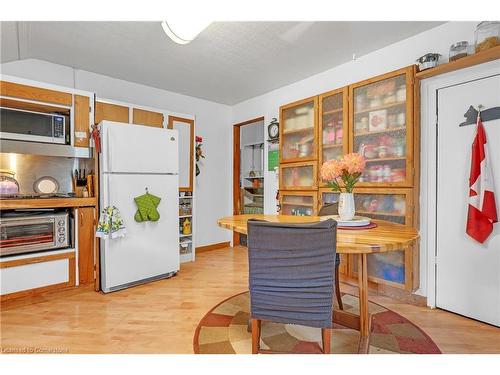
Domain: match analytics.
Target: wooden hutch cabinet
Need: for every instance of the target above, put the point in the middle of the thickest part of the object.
(298, 157)
(333, 126)
(298, 130)
(381, 128)
(375, 118)
(391, 204)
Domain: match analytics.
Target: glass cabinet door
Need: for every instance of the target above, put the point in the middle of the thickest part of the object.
(333, 128)
(298, 176)
(382, 128)
(394, 205)
(298, 131)
(298, 203)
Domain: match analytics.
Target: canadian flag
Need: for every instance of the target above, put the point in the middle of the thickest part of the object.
(482, 208)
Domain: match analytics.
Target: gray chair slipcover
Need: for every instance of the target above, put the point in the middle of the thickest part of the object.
(291, 272)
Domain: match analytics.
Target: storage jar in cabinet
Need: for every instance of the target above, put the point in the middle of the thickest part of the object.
(333, 126)
(298, 129)
(298, 176)
(299, 203)
(381, 118)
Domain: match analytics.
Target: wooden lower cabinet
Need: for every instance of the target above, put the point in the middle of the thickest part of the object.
(397, 268)
(86, 244)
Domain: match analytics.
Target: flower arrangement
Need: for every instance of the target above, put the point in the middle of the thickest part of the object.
(349, 169)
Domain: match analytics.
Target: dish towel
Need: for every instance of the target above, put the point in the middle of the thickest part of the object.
(110, 224)
(146, 208)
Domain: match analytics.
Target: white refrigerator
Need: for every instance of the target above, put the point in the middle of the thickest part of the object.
(136, 159)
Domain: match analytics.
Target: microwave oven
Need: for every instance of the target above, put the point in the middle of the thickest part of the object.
(33, 126)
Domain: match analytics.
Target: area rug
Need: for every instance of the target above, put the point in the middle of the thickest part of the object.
(224, 330)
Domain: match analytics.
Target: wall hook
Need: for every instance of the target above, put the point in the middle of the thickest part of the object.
(485, 114)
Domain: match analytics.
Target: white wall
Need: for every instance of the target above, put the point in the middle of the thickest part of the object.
(213, 185)
(390, 58)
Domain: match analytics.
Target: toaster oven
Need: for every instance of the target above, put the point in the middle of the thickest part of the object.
(29, 231)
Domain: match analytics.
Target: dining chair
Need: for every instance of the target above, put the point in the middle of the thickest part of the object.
(290, 276)
(333, 209)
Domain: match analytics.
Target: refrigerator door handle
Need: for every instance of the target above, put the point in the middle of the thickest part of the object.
(109, 150)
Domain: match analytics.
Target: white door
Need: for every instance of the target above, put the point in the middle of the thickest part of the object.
(131, 148)
(149, 249)
(467, 272)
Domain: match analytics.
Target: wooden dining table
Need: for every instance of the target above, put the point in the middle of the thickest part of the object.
(385, 237)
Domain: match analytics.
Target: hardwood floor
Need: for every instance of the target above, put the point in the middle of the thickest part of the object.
(161, 317)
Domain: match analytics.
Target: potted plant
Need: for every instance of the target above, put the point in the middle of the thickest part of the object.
(347, 170)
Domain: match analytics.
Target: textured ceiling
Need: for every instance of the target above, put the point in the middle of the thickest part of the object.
(228, 62)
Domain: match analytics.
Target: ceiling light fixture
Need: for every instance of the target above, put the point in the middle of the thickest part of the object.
(183, 32)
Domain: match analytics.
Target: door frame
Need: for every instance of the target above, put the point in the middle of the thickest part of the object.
(428, 170)
(236, 167)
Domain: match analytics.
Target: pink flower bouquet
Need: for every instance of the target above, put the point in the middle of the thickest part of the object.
(348, 169)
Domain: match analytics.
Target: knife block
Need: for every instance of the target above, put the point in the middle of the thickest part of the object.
(78, 190)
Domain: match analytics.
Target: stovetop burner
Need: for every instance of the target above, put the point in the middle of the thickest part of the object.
(37, 196)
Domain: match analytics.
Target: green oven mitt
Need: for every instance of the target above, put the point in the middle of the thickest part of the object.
(147, 208)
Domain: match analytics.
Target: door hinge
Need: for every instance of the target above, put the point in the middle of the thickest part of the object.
(90, 109)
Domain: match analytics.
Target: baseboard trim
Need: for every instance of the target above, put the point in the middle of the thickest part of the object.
(215, 246)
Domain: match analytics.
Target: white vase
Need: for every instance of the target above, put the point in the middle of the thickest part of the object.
(346, 206)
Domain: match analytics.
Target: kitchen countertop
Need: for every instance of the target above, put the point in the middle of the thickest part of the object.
(9, 204)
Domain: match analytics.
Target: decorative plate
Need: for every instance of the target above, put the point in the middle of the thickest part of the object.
(46, 185)
(357, 221)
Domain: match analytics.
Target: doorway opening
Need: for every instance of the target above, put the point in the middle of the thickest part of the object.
(248, 170)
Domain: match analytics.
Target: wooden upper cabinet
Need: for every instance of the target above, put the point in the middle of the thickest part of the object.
(333, 126)
(185, 128)
(111, 112)
(16, 90)
(298, 131)
(149, 118)
(82, 121)
(382, 128)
